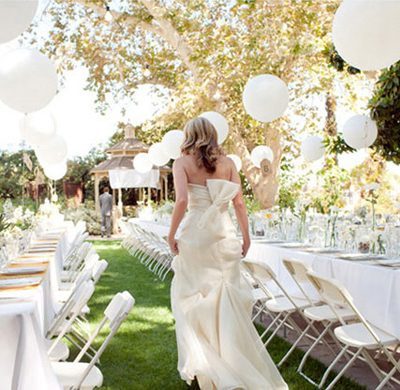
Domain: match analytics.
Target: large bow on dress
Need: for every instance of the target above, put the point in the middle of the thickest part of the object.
(221, 192)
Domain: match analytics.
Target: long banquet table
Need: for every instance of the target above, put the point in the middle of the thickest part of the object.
(25, 315)
(375, 288)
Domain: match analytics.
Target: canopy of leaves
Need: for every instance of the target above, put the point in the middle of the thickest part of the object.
(385, 109)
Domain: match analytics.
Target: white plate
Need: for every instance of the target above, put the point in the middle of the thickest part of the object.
(23, 270)
(20, 282)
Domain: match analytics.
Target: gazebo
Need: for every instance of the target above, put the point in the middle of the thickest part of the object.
(118, 169)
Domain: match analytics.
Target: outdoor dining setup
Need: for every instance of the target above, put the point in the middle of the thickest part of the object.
(45, 290)
(324, 296)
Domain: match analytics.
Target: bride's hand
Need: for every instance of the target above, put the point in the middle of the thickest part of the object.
(173, 245)
(245, 247)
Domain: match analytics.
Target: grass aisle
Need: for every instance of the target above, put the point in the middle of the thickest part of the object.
(143, 353)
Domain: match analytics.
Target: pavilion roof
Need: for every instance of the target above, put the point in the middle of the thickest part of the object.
(132, 145)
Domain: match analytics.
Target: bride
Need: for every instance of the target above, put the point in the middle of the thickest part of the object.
(217, 342)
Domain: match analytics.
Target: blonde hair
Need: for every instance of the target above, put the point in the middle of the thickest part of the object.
(201, 139)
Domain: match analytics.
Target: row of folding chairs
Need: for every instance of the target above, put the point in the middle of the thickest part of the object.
(331, 320)
(81, 269)
(151, 249)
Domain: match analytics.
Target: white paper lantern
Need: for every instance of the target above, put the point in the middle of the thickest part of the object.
(142, 163)
(28, 80)
(312, 148)
(15, 17)
(56, 171)
(219, 122)
(171, 143)
(265, 97)
(360, 131)
(366, 33)
(37, 128)
(52, 152)
(157, 155)
(260, 153)
(236, 159)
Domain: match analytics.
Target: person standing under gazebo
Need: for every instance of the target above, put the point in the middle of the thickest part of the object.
(106, 204)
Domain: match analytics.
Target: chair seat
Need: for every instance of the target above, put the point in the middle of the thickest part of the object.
(357, 335)
(259, 294)
(59, 353)
(282, 304)
(325, 313)
(69, 374)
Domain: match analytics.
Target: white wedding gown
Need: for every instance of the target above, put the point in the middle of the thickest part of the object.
(217, 341)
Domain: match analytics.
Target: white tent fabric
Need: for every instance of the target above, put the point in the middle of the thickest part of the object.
(130, 178)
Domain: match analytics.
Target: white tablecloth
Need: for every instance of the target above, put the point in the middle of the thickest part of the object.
(24, 363)
(375, 289)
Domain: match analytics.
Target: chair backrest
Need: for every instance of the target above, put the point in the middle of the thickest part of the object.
(115, 313)
(330, 290)
(336, 295)
(298, 271)
(98, 268)
(74, 304)
(262, 273)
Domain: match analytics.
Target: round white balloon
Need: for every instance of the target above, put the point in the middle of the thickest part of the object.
(265, 97)
(15, 17)
(236, 159)
(37, 128)
(219, 122)
(312, 148)
(28, 80)
(260, 153)
(171, 143)
(142, 163)
(56, 171)
(360, 131)
(366, 33)
(52, 152)
(157, 155)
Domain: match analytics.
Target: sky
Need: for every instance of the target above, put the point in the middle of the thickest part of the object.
(74, 109)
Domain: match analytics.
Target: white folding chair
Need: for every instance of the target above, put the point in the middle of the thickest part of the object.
(299, 273)
(86, 376)
(260, 295)
(57, 350)
(360, 335)
(282, 306)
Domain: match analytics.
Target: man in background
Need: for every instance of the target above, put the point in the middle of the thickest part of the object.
(106, 204)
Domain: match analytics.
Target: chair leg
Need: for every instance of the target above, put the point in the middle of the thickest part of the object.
(307, 354)
(294, 345)
(344, 369)
(286, 318)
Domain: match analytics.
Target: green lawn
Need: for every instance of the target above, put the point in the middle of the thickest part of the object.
(143, 354)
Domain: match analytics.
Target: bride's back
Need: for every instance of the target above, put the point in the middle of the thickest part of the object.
(198, 174)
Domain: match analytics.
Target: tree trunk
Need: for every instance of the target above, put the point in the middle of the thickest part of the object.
(264, 182)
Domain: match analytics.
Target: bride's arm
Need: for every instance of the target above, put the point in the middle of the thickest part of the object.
(181, 201)
(241, 213)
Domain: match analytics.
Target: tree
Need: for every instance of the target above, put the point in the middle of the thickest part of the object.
(79, 170)
(203, 52)
(15, 174)
(385, 109)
